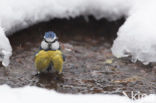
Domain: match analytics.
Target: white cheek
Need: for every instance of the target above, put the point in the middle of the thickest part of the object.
(55, 45)
(44, 45)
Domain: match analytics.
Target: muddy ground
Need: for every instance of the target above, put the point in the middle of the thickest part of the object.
(90, 66)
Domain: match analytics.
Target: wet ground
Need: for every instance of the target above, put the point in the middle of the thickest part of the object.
(89, 67)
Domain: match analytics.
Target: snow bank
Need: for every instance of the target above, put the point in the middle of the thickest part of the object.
(148, 99)
(38, 95)
(137, 37)
(19, 14)
(5, 48)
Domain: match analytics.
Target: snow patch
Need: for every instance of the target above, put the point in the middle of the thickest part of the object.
(5, 48)
(137, 36)
(38, 95)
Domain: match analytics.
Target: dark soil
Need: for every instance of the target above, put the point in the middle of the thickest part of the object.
(90, 66)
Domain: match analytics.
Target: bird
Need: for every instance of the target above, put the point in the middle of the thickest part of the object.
(49, 57)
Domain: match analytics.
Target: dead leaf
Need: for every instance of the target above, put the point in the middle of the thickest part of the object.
(109, 61)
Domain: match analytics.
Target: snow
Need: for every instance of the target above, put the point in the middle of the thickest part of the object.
(137, 37)
(5, 49)
(31, 94)
(23, 13)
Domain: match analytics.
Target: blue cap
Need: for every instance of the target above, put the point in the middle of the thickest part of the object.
(49, 34)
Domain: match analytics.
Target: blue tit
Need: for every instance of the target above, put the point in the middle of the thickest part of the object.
(50, 41)
(54, 59)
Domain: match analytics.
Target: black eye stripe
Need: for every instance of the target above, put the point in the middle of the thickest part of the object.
(52, 41)
(55, 40)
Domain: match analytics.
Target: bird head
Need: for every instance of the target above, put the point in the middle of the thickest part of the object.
(50, 37)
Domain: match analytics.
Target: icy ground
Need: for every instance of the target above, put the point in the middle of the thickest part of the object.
(90, 67)
(30, 94)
